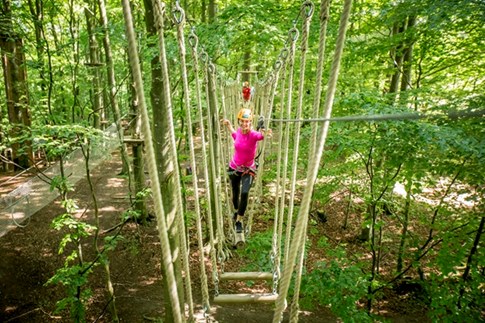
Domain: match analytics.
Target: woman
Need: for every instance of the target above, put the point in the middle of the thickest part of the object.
(242, 167)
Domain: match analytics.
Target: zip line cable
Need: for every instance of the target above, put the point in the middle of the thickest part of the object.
(392, 117)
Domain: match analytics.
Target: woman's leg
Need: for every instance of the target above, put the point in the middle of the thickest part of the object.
(247, 180)
(235, 184)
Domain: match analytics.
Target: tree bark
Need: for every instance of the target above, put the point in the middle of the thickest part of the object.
(212, 10)
(397, 57)
(165, 165)
(94, 63)
(17, 95)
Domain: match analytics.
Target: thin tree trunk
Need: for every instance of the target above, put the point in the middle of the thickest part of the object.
(94, 64)
(116, 111)
(137, 153)
(15, 77)
(407, 64)
(246, 62)
(472, 253)
(396, 57)
(73, 30)
(405, 224)
(407, 59)
(212, 10)
(203, 11)
(37, 13)
(86, 150)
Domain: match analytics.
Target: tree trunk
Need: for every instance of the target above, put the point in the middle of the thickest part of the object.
(165, 165)
(405, 224)
(15, 77)
(212, 10)
(397, 57)
(74, 33)
(137, 152)
(140, 205)
(94, 63)
(246, 62)
(473, 253)
(36, 11)
(407, 64)
(203, 11)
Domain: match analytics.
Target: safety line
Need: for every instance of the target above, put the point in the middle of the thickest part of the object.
(391, 117)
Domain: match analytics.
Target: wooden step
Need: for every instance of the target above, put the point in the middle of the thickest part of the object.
(251, 275)
(246, 298)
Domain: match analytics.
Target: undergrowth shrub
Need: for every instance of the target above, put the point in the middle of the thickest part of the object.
(337, 284)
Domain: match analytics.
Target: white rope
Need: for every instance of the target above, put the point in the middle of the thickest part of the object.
(151, 164)
(307, 10)
(159, 9)
(302, 218)
(453, 115)
(289, 104)
(179, 16)
(193, 41)
(324, 15)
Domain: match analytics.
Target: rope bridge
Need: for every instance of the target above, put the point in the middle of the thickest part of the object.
(207, 97)
(222, 98)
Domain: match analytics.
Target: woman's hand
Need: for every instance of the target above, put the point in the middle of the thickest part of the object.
(227, 123)
(267, 133)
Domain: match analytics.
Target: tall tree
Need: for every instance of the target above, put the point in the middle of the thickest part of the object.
(95, 64)
(15, 77)
(166, 166)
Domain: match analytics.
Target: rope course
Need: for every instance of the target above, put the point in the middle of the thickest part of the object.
(208, 95)
(215, 97)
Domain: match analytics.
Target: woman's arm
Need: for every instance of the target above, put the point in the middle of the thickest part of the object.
(228, 124)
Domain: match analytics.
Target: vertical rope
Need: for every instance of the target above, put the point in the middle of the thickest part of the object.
(193, 41)
(221, 162)
(280, 180)
(324, 13)
(313, 167)
(179, 217)
(151, 163)
(296, 147)
(179, 17)
(291, 59)
(215, 152)
(209, 74)
(225, 149)
(266, 99)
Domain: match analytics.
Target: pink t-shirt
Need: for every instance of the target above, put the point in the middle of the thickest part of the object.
(245, 146)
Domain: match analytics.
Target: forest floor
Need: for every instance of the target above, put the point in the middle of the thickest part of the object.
(29, 257)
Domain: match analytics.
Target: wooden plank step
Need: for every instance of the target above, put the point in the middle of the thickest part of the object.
(250, 275)
(246, 298)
